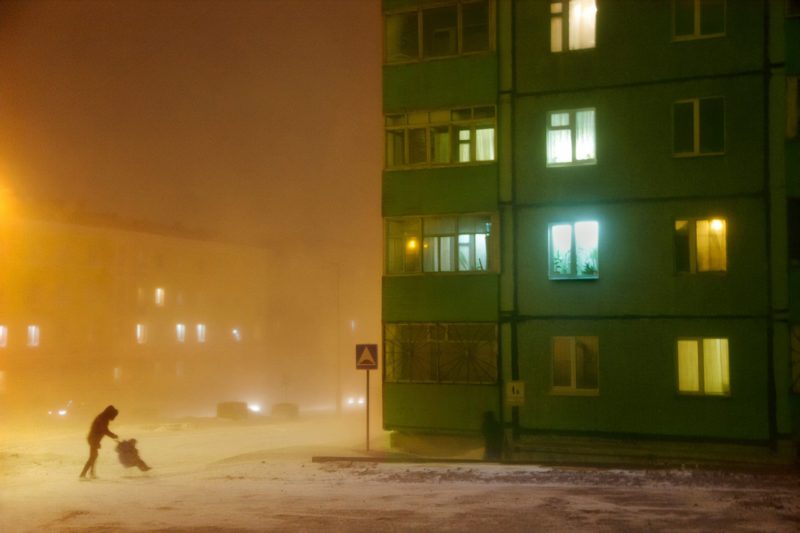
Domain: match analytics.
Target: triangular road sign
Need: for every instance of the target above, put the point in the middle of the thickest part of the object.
(366, 356)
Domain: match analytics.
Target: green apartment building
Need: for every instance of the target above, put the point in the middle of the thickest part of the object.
(592, 218)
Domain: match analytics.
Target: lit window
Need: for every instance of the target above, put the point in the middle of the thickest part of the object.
(448, 30)
(440, 352)
(33, 335)
(574, 250)
(2, 381)
(440, 137)
(201, 332)
(141, 333)
(698, 127)
(792, 106)
(402, 246)
(3, 336)
(579, 32)
(703, 367)
(236, 334)
(575, 362)
(159, 297)
(571, 138)
(180, 332)
(117, 374)
(695, 19)
(701, 245)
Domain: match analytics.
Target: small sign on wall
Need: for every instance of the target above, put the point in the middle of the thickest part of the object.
(515, 393)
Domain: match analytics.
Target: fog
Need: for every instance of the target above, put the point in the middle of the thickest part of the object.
(190, 214)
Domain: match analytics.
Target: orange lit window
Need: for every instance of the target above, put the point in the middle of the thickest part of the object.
(180, 332)
(3, 336)
(33, 335)
(159, 297)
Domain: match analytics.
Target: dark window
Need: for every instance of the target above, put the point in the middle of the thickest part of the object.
(402, 37)
(683, 131)
(698, 126)
(793, 220)
(712, 125)
(439, 31)
(698, 18)
(475, 27)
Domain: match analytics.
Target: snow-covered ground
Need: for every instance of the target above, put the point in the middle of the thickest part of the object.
(212, 475)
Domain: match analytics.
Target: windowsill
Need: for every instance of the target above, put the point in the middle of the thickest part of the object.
(574, 278)
(703, 395)
(688, 38)
(575, 392)
(684, 155)
(715, 273)
(576, 51)
(444, 274)
(575, 164)
(428, 166)
(438, 58)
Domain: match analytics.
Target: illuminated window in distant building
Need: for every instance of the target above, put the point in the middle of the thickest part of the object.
(441, 137)
(698, 19)
(3, 336)
(703, 367)
(236, 334)
(701, 245)
(2, 381)
(446, 30)
(180, 332)
(575, 364)
(141, 333)
(201, 332)
(33, 335)
(571, 138)
(159, 298)
(792, 106)
(698, 127)
(117, 374)
(441, 353)
(578, 32)
(574, 250)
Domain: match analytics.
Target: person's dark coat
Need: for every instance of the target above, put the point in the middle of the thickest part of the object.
(493, 437)
(99, 427)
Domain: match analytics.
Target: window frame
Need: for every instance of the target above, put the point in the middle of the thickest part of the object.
(492, 247)
(696, 34)
(573, 137)
(701, 392)
(405, 121)
(693, 252)
(551, 275)
(573, 389)
(490, 23)
(696, 131)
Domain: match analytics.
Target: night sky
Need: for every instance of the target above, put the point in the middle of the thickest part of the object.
(257, 121)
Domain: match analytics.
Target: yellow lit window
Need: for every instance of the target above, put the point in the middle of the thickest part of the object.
(201, 332)
(180, 332)
(572, 25)
(141, 334)
(703, 366)
(159, 297)
(701, 245)
(117, 373)
(3, 336)
(33, 335)
(236, 333)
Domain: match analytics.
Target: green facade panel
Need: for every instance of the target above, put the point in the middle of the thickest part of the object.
(463, 189)
(634, 144)
(437, 407)
(637, 262)
(440, 298)
(633, 44)
(638, 380)
(440, 84)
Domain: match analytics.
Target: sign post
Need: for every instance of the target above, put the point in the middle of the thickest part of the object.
(367, 359)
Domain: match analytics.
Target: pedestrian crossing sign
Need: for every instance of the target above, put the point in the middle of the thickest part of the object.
(366, 356)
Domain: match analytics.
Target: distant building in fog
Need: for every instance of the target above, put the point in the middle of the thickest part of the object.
(592, 214)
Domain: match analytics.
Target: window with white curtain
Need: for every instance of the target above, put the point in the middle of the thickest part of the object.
(3, 336)
(440, 137)
(701, 245)
(574, 250)
(33, 335)
(141, 334)
(571, 138)
(698, 19)
(703, 366)
(180, 332)
(575, 364)
(572, 25)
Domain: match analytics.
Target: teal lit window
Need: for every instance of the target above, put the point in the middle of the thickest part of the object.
(697, 19)
(574, 250)
(704, 367)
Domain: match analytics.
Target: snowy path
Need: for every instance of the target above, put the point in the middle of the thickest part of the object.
(259, 477)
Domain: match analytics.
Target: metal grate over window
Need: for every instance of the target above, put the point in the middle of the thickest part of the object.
(441, 353)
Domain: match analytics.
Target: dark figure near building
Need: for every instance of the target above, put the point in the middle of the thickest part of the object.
(129, 455)
(492, 437)
(98, 430)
